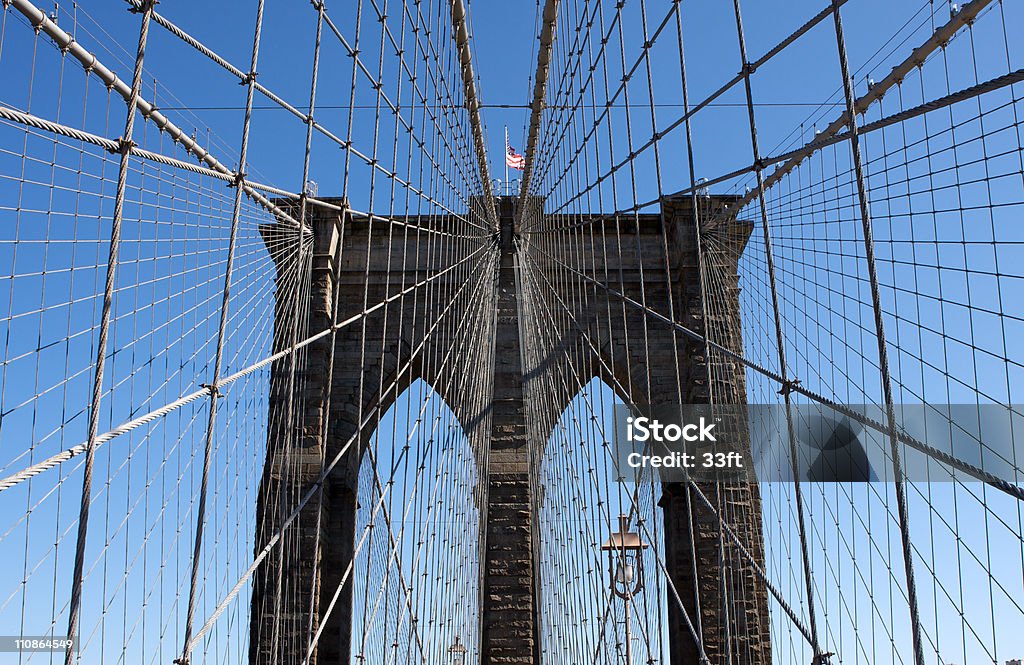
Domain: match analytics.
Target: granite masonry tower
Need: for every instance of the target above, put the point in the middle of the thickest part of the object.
(350, 387)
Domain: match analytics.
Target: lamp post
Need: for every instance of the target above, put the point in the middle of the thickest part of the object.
(625, 568)
(457, 652)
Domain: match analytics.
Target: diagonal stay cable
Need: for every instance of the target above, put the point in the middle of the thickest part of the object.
(794, 386)
(74, 451)
(90, 63)
(316, 487)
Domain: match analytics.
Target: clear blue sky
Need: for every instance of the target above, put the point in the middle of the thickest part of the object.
(960, 537)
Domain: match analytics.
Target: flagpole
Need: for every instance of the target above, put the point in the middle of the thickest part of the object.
(506, 158)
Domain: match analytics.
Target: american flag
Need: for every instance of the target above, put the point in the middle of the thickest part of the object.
(512, 158)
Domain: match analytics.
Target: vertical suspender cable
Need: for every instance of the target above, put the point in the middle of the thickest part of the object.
(314, 581)
(779, 338)
(101, 353)
(883, 352)
(219, 354)
(699, 249)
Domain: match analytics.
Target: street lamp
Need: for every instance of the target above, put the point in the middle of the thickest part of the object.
(625, 567)
(457, 652)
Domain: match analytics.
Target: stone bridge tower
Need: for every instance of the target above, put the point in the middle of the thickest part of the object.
(352, 380)
(598, 276)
